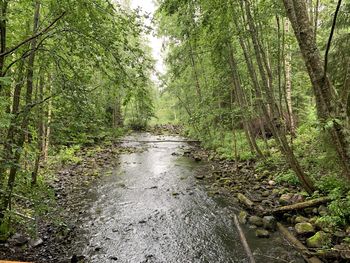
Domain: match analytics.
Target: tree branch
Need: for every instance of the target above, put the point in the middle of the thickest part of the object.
(32, 37)
(331, 36)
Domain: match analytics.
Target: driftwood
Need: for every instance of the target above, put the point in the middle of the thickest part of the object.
(301, 205)
(307, 255)
(243, 240)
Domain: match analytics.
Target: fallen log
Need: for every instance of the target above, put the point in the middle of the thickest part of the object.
(243, 240)
(302, 205)
(307, 255)
(159, 141)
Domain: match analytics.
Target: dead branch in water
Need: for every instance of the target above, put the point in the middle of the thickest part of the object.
(243, 240)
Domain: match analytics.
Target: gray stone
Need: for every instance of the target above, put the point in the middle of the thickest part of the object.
(19, 240)
(269, 222)
(36, 242)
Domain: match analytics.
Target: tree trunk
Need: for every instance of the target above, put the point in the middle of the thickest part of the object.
(194, 68)
(322, 86)
(273, 123)
(13, 128)
(3, 17)
(288, 92)
(24, 126)
(48, 129)
(243, 104)
(40, 128)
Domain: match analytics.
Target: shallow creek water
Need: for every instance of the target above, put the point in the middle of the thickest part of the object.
(152, 209)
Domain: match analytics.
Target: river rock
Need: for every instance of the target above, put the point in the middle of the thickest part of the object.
(320, 224)
(314, 260)
(322, 210)
(339, 234)
(285, 199)
(304, 228)
(256, 221)
(36, 242)
(266, 202)
(262, 233)
(269, 222)
(245, 200)
(199, 176)
(271, 182)
(19, 240)
(242, 217)
(265, 193)
(345, 251)
(319, 240)
(301, 219)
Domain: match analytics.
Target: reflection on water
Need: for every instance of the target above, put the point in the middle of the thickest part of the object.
(151, 209)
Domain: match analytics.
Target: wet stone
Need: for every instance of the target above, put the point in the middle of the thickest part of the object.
(262, 233)
(256, 220)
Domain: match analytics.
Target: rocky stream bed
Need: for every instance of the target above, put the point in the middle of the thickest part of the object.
(157, 198)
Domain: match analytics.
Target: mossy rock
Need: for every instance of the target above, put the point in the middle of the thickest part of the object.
(304, 228)
(262, 233)
(319, 240)
(242, 217)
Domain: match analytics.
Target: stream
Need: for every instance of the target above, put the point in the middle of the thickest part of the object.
(153, 209)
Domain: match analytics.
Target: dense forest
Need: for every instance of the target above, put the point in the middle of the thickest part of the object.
(258, 81)
(71, 72)
(265, 80)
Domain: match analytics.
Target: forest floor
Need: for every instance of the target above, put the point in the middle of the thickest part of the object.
(161, 202)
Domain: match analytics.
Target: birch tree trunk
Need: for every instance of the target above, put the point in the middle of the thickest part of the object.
(288, 69)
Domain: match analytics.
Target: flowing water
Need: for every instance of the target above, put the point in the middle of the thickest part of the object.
(152, 209)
